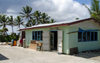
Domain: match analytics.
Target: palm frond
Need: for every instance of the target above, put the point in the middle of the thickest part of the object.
(88, 9)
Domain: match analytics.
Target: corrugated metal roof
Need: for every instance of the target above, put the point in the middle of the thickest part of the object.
(56, 24)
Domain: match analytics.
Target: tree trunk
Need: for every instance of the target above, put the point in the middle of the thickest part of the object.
(19, 27)
(12, 29)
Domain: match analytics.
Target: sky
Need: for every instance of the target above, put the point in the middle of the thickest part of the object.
(60, 10)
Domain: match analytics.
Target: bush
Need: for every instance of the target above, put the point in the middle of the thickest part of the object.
(8, 38)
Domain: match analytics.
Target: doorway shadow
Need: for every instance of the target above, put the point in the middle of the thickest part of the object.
(2, 57)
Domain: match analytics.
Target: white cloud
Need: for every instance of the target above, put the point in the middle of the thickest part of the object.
(11, 12)
(62, 10)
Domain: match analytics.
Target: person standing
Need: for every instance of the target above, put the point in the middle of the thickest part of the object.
(12, 42)
(21, 42)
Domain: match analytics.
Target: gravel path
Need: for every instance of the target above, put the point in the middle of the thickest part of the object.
(10, 54)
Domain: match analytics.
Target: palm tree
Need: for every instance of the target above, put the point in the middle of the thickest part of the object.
(45, 18)
(3, 23)
(37, 17)
(3, 20)
(26, 12)
(52, 21)
(42, 18)
(4, 31)
(31, 22)
(19, 21)
(11, 22)
(95, 9)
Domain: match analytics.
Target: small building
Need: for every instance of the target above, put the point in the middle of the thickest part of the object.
(66, 37)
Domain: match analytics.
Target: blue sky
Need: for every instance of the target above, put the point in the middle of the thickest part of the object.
(84, 1)
(67, 10)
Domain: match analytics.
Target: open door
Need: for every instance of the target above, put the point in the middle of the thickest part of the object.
(60, 47)
(53, 40)
(23, 34)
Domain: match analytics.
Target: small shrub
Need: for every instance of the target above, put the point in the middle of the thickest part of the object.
(8, 38)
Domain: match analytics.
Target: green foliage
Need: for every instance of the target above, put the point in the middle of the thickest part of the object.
(8, 38)
(11, 22)
(52, 21)
(95, 10)
(31, 22)
(39, 18)
(3, 20)
(26, 12)
(5, 29)
(19, 21)
(5, 38)
(14, 36)
(3, 23)
(95, 7)
(35, 18)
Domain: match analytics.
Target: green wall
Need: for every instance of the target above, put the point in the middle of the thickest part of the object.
(65, 30)
(82, 46)
(29, 34)
(71, 40)
(65, 36)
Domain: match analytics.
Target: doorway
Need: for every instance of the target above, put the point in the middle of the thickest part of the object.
(23, 34)
(53, 40)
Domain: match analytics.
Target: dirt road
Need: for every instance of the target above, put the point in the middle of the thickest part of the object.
(10, 54)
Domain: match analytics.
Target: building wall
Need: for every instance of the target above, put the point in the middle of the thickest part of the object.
(70, 40)
(46, 37)
(82, 46)
(45, 40)
(28, 37)
(65, 40)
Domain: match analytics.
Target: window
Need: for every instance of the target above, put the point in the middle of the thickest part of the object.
(79, 36)
(87, 36)
(37, 35)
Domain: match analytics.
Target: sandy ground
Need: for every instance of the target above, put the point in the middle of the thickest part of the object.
(10, 54)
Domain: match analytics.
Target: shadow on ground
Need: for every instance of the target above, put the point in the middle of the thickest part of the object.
(88, 55)
(2, 57)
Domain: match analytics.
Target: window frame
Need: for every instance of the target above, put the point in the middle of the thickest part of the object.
(90, 40)
(37, 35)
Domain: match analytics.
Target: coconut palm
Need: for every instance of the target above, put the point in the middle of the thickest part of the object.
(45, 18)
(31, 22)
(52, 21)
(3, 23)
(37, 17)
(94, 10)
(26, 12)
(11, 22)
(4, 31)
(19, 21)
(3, 20)
(42, 18)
